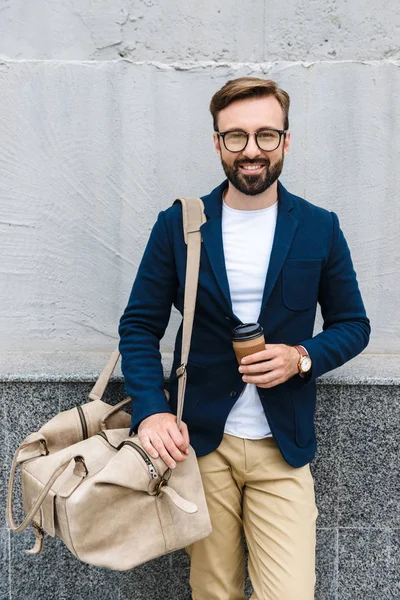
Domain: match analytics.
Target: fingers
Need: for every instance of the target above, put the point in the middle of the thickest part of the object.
(173, 442)
(185, 433)
(266, 380)
(166, 440)
(147, 445)
(162, 447)
(155, 448)
(270, 352)
(262, 367)
(176, 437)
(269, 373)
(167, 450)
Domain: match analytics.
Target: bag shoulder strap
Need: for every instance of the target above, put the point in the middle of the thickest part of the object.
(193, 218)
(192, 214)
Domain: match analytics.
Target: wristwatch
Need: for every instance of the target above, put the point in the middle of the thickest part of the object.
(305, 363)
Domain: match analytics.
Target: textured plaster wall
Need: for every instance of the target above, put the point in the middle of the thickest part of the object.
(170, 30)
(104, 121)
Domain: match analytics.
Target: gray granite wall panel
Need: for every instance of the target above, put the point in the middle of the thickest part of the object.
(166, 577)
(327, 567)
(369, 564)
(369, 483)
(73, 394)
(5, 462)
(56, 574)
(355, 471)
(325, 466)
(4, 564)
(115, 392)
(28, 406)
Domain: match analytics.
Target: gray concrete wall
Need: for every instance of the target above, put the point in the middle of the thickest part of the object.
(104, 121)
(172, 30)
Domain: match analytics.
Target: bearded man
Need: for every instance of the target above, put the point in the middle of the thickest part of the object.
(269, 257)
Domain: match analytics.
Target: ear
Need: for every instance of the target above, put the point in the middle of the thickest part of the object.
(287, 143)
(217, 144)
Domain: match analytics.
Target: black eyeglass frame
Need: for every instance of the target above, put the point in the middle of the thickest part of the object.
(282, 132)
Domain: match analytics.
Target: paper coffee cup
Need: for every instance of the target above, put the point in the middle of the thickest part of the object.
(247, 339)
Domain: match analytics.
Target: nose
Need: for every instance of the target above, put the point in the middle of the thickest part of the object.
(251, 150)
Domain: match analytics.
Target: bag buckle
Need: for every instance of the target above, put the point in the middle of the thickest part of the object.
(43, 447)
(159, 486)
(181, 370)
(164, 481)
(39, 529)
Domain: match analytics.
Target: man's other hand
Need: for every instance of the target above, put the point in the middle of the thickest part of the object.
(270, 367)
(160, 436)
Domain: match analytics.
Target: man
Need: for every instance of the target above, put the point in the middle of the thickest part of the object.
(268, 257)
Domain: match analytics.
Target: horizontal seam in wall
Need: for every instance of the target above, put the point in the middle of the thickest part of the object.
(187, 65)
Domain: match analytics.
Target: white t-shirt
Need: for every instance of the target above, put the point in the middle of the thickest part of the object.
(247, 238)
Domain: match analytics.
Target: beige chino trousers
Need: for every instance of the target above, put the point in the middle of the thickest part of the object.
(251, 489)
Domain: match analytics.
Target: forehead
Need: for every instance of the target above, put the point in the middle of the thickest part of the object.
(251, 114)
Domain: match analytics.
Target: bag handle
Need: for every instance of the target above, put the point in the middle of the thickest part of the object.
(113, 409)
(97, 391)
(80, 469)
(193, 218)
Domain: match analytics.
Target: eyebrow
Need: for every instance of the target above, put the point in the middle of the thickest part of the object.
(244, 131)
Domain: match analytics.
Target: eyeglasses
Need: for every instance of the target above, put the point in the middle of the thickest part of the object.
(266, 139)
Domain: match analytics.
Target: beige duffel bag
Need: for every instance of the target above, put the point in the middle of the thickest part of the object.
(87, 481)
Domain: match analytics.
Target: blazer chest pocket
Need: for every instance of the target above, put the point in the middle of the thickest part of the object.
(300, 283)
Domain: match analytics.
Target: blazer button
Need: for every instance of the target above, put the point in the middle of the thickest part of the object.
(233, 394)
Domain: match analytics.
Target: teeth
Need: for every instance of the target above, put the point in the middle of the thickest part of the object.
(251, 167)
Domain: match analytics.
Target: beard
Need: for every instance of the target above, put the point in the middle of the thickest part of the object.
(250, 184)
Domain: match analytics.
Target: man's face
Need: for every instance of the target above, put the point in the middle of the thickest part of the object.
(252, 114)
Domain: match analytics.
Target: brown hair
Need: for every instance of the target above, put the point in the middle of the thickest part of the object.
(248, 87)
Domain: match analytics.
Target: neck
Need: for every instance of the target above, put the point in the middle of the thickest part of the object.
(235, 199)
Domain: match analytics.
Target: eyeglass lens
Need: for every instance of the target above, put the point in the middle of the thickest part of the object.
(268, 140)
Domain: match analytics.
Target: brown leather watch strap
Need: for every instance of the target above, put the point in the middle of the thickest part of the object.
(302, 354)
(302, 351)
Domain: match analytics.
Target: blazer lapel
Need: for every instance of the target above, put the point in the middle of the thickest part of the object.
(211, 232)
(286, 226)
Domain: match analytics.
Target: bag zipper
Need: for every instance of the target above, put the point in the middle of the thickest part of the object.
(83, 422)
(103, 435)
(150, 467)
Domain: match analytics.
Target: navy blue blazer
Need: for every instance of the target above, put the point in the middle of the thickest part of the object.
(310, 262)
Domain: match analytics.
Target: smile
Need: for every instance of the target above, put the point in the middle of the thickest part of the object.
(253, 169)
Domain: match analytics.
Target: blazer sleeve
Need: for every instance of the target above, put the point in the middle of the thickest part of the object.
(143, 324)
(346, 328)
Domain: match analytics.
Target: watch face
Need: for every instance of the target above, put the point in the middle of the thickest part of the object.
(305, 364)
